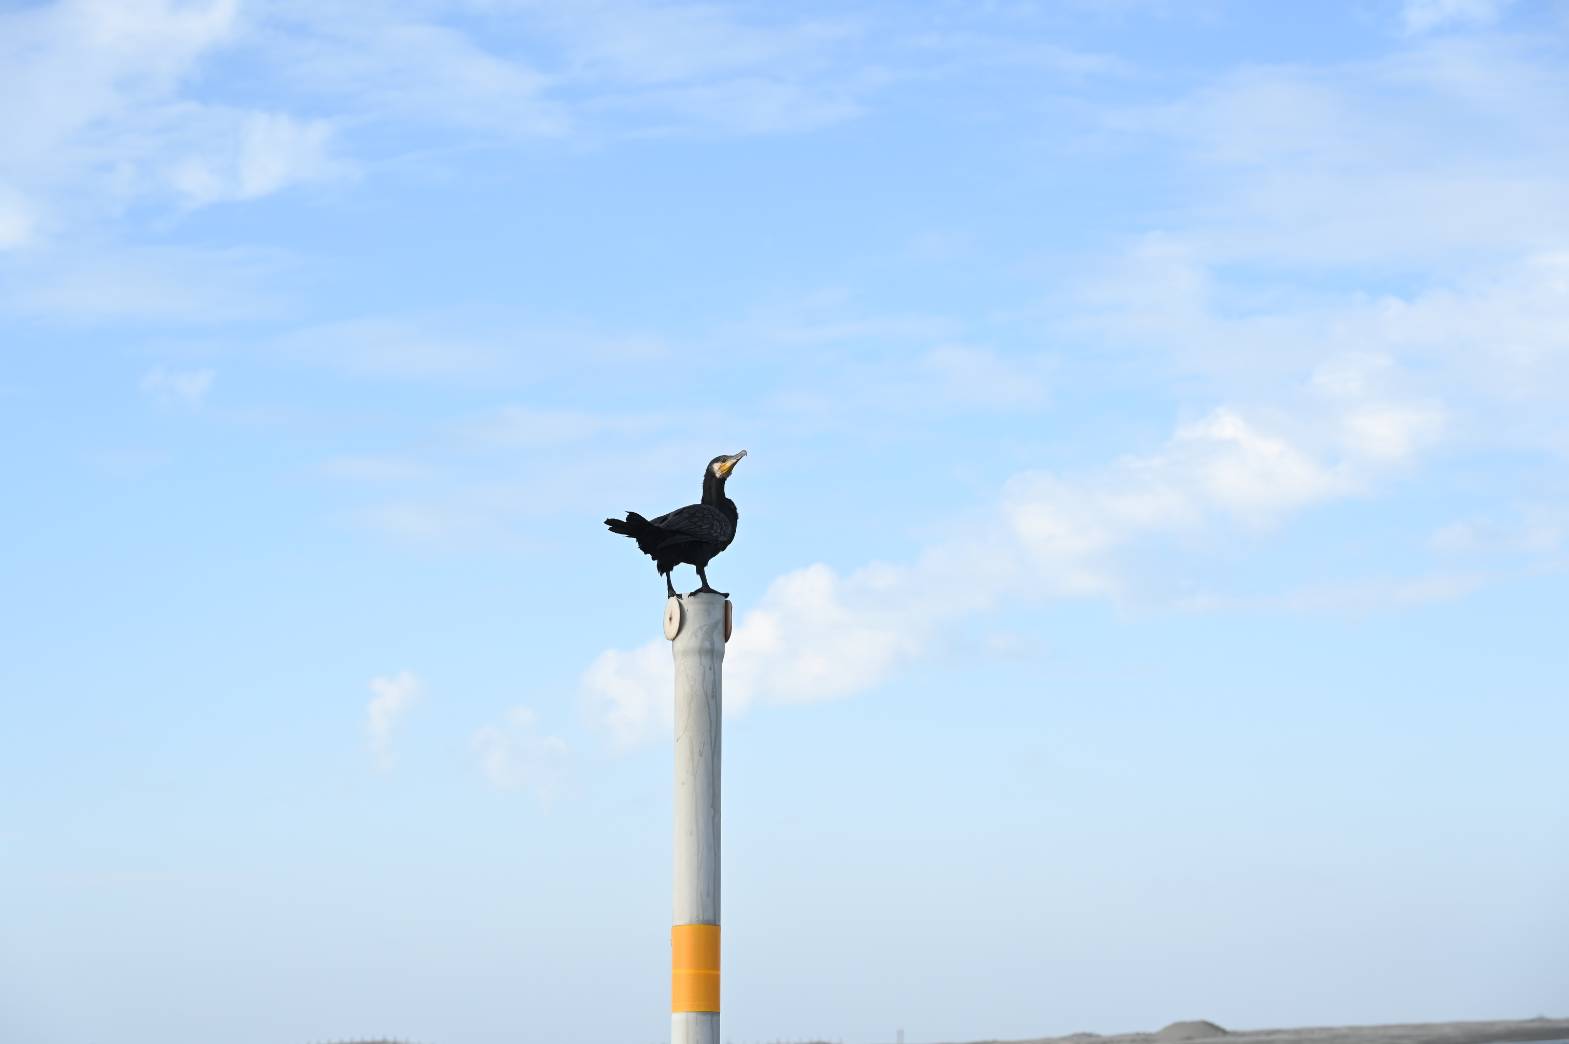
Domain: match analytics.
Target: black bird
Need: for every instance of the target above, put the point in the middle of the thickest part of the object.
(693, 534)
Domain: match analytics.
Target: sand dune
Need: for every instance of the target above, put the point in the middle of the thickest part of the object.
(1203, 1032)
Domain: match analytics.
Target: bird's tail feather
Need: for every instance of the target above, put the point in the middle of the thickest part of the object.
(633, 525)
(638, 528)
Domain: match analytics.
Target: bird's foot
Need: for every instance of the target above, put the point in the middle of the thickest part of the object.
(705, 589)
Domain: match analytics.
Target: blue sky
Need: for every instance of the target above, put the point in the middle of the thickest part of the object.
(1151, 570)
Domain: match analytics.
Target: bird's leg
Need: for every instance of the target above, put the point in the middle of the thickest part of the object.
(670, 589)
(704, 577)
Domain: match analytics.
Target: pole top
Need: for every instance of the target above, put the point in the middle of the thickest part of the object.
(675, 616)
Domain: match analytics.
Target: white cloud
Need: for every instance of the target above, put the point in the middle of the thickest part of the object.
(592, 69)
(121, 111)
(680, 42)
(625, 692)
(1421, 16)
(1537, 530)
(1501, 337)
(17, 221)
(819, 634)
(254, 156)
(815, 635)
(111, 118)
(1239, 468)
(1495, 341)
(380, 63)
(1371, 162)
(394, 695)
(1361, 386)
(962, 46)
(189, 387)
(1356, 414)
(683, 67)
(514, 756)
(93, 64)
(1391, 432)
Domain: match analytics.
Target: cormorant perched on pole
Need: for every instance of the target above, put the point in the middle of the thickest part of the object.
(693, 534)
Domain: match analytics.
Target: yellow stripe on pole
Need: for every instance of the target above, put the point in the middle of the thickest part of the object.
(694, 967)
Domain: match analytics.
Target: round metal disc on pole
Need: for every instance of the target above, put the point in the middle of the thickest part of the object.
(673, 615)
(698, 646)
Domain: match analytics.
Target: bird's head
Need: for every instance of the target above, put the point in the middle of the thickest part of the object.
(721, 466)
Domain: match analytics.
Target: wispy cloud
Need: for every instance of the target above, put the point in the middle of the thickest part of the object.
(1352, 389)
(475, 517)
(1364, 408)
(1496, 337)
(112, 120)
(489, 515)
(124, 113)
(1422, 16)
(514, 755)
(753, 106)
(1536, 530)
(393, 66)
(394, 695)
(686, 67)
(16, 219)
(1371, 162)
(634, 42)
(977, 376)
(100, 283)
(820, 634)
(189, 387)
(526, 427)
(256, 155)
(389, 346)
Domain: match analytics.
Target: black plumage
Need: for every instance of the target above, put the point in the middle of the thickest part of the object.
(693, 534)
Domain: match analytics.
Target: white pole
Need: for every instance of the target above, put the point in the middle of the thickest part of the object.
(700, 627)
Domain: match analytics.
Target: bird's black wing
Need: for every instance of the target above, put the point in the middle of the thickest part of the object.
(695, 522)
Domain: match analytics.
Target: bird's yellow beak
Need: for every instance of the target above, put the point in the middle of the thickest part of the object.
(726, 466)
